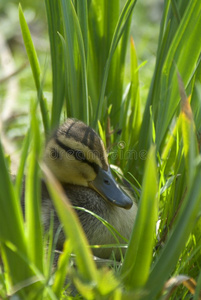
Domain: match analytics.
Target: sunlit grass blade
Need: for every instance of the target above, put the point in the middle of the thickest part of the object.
(53, 9)
(72, 228)
(33, 59)
(136, 266)
(177, 238)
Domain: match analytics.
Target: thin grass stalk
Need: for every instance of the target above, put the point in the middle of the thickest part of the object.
(135, 103)
(20, 172)
(177, 239)
(11, 215)
(122, 22)
(171, 41)
(32, 198)
(137, 262)
(55, 25)
(176, 58)
(75, 63)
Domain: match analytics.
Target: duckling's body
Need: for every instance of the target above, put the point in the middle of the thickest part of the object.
(97, 233)
(76, 156)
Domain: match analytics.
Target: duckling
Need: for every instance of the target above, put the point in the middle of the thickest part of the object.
(76, 156)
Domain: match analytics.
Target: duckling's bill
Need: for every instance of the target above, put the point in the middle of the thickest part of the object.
(107, 187)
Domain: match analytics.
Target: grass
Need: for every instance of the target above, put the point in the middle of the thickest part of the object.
(158, 149)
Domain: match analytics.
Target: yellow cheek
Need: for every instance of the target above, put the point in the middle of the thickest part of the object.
(87, 172)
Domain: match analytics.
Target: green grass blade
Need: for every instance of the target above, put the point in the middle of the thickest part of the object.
(111, 11)
(96, 57)
(136, 266)
(183, 54)
(177, 239)
(33, 59)
(75, 63)
(120, 27)
(31, 52)
(53, 10)
(163, 26)
(188, 133)
(135, 96)
(116, 78)
(32, 198)
(176, 51)
(20, 172)
(82, 13)
(11, 228)
(110, 18)
(145, 137)
(176, 11)
(196, 97)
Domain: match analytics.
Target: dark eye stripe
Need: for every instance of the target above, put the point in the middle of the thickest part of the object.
(79, 155)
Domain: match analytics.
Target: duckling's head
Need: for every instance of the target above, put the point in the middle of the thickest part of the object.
(76, 155)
